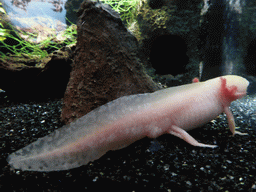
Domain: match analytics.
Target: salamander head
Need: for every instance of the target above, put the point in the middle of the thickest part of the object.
(240, 82)
(233, 87)
(236, 83)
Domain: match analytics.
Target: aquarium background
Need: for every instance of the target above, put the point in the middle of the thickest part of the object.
(27, 14)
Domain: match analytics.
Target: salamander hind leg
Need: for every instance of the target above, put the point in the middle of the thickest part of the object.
(179, 132)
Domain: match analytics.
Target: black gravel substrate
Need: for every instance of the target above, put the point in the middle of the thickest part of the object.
(164, 164)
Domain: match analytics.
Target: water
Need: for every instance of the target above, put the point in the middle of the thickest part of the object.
(36, 12)
(232, 62)
(223, 51)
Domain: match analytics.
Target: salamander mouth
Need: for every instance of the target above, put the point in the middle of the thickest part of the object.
(241, 94)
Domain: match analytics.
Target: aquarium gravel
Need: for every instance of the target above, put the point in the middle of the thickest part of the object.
(163, 164)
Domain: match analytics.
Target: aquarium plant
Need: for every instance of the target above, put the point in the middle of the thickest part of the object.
(126, 8)
(29, 49)
(3, 32)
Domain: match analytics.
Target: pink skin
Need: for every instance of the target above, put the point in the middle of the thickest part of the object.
(123, 121)
(195, 80)
(227, 95)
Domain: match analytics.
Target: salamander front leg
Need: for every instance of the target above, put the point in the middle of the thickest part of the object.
(179, 132)
(231, 122)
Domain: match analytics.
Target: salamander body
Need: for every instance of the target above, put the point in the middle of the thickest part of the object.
(127, 119)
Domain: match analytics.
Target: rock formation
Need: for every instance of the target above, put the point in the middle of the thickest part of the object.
(106, 65)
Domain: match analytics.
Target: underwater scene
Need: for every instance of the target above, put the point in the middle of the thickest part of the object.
(129, 95)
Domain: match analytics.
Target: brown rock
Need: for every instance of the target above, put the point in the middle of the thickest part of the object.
(106, 64)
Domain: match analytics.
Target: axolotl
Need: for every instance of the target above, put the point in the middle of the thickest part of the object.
(127, 119)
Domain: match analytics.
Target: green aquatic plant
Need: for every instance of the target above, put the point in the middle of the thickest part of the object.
(37, 50)
(70, 34)
(126, 8)
(3, 32)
